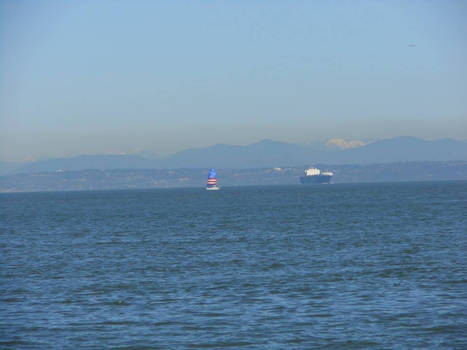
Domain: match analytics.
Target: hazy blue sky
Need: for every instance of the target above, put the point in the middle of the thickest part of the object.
(87, 77)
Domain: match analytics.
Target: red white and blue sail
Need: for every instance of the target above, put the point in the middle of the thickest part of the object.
(212, 179)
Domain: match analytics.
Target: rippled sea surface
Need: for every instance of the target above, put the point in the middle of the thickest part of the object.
(369, 266)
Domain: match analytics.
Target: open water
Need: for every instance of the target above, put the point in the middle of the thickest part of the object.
(369, 266)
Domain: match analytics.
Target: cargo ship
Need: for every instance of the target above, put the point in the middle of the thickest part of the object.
(314, 176)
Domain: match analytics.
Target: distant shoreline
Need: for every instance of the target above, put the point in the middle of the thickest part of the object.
(125, 179)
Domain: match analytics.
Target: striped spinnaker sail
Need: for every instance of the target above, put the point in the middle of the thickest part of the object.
(212, 181)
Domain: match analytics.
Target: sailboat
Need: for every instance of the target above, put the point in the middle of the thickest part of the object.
(212, 181)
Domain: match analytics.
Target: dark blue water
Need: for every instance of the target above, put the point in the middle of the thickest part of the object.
(370, 266)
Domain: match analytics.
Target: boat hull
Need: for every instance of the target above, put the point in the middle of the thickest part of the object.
(315, 179)
(214, 188)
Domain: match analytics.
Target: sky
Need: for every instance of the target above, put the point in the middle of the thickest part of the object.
(110, 77)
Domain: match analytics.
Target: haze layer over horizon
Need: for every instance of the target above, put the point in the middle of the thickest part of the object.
(121, 77)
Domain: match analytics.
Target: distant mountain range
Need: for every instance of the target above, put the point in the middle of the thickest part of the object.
(263, 154)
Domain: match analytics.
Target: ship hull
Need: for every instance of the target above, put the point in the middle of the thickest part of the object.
(214, 188)
(315, 179)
